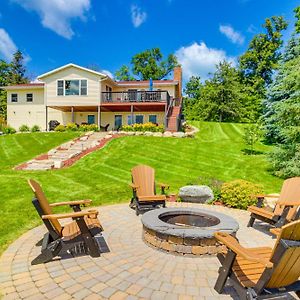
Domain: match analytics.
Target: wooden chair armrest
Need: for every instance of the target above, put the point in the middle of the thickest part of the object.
(231, 243)
(93, 213)
(75, 202)
(288, 203)
(134, 186)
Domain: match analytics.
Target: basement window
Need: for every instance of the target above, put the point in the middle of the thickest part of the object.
(153, 119)
(29, 97)
(14, 97)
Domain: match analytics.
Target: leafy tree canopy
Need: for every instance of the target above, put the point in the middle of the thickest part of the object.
(147, 64)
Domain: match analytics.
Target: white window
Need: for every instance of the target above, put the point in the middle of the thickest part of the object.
(14, 97)
(29, 97)
(74, 87)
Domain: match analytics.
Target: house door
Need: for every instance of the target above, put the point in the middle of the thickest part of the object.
(91, 119)
(118, 122)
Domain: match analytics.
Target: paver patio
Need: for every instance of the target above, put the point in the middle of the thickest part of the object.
(131, 270)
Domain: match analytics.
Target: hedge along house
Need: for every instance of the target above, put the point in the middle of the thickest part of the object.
(74, 94)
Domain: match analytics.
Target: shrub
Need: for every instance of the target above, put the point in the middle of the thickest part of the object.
(2, 123)
(71, 127)
(35, 128)
(24, 128)
(8, 130)
(60, 128)
(143, 127)
(240, 193)
(252, 134)
(88, 127)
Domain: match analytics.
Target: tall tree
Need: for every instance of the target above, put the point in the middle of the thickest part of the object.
(261, 59)
(11, 73)
(284, 86)
(124, 74)
(148, 64)
(17, 69)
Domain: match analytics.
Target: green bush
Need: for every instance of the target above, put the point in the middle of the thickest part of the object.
(88, 127)
(71, 127)
(24, 128)
(60, 128)
(240, 193)
(143, 127)
(35, 128)
(2, 123)
(8, 130)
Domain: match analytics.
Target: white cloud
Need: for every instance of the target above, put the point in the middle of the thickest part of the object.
(57, 14)
(108, 73)
(7, 45)
(138, 17)
(199, 60)
(234, 36)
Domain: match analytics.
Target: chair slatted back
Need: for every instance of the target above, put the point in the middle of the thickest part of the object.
(290, 191)
(287, 268)
(144, 177)
(39, 194)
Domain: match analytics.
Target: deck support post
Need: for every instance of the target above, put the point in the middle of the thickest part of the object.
(131, 111)
(47, 119)
(72, 111)
(99, 117)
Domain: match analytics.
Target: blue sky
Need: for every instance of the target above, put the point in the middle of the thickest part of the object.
(109, 32)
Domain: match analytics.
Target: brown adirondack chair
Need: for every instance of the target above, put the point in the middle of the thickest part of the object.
(81, 236)
(144, 189)
(286, 208)
(260, 272)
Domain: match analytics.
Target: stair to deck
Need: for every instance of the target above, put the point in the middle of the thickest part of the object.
(172, 123)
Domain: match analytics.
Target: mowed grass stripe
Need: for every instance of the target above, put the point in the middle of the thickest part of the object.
(103, 175)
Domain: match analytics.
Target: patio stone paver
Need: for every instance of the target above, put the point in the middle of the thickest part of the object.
(131, 270)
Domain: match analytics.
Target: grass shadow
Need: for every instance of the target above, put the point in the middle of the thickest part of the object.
(252, 152)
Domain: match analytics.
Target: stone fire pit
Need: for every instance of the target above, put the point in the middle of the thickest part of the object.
(186, 230)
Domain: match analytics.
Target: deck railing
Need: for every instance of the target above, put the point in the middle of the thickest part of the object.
(135, 97)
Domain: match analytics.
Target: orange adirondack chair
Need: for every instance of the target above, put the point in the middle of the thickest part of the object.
(82, 235)
(257, 273)
(144, 189)
(286, 208)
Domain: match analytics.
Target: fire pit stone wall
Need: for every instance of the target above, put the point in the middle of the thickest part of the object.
(185, 241)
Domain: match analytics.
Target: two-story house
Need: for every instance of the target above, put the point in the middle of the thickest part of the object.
(79, 95)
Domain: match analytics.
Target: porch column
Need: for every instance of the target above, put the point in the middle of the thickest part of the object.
(131, 111)
(99, 117)
(72, 111)
(47, 118)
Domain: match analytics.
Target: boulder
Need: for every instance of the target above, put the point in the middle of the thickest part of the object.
(139, 133)
(196, 193)
(108, 136)
(130, 133)
(159, 134)
(168, 134)
(148, 133)
(179, 134)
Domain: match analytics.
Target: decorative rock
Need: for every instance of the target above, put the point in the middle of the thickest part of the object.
(189, 134)
(179, 134)
(196, 193)
(139, 133)
(158, 134)
(130, 133)
(84, 138)
(108, 136)
(168, 134)
(148, 133)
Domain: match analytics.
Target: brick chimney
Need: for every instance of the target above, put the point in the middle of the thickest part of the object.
(178, 77)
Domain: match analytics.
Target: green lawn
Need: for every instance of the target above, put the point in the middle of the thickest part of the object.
(103, 176)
